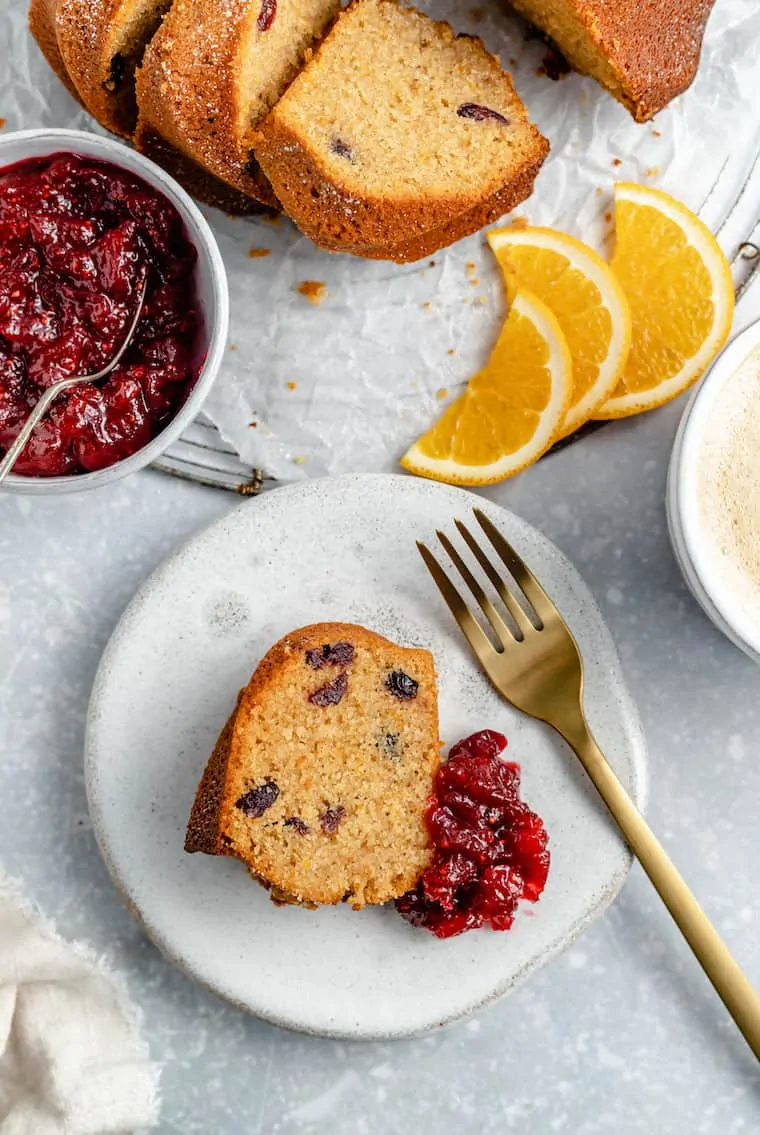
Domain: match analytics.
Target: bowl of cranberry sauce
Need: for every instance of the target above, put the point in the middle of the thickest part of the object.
(85, 224)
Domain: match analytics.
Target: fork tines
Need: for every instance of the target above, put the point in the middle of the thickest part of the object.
(521, 620)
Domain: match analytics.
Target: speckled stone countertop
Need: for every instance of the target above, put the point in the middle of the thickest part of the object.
(621, 1034)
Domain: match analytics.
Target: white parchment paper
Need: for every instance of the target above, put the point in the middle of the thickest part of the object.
(349, 383)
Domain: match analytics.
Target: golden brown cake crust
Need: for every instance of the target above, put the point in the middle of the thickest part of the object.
(458, 228)
(653, 46)
(198, 182)
(42, 16)
(203, 832)
(380, 844)
(84, 29)
(186, 91)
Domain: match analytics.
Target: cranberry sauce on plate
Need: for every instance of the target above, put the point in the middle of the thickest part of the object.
(490, 848)
(77, 238)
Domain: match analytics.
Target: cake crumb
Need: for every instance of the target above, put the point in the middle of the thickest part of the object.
(427, 306)
(599, 191)
(315, 291)
(512, 61)
(432, 264)
(451, 351)
(608, 216)
(3, 122)
(233, 347)
(482, 300)
(518, 223)
(653, 171)
(474, 281)
(292, 386)
(300, 460)
(255, 253)
(442, 393)
(617, 162)
(253, 425)
(476, 15)
(657, 133)
(272, 218)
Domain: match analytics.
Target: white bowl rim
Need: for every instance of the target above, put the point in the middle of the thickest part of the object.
(201, 235)
(687, 531)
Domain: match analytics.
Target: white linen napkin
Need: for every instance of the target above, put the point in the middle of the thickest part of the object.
(72, 1061)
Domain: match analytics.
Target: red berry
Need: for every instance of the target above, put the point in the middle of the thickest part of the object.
(490, 848)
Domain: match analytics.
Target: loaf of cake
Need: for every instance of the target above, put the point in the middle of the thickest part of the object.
(320, 778)
(395, 128)
(644, 52)
(214, 69)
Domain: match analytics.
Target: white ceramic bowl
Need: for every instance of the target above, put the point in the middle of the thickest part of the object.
(212, 291)
(692, 548)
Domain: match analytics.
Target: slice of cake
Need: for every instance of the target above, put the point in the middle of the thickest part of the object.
(320, 779)
(101, 43)
(644, 52)
(214, 69)
(394, 128)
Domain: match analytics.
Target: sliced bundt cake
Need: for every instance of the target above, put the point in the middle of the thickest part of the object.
(101, 43)
(394, 128)
(320, 778)
(214, 70)
(645, 52)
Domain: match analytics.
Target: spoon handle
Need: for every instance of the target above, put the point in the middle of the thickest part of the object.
(25, 432)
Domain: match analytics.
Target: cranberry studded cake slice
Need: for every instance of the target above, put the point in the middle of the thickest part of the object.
(397, 129)
(216, 68)
(321, 777)
(101, 42)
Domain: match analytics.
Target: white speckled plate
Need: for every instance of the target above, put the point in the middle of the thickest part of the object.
(337, 549)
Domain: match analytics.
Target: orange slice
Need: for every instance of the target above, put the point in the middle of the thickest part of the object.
(512, 410)
(584, 294)
(679, 287)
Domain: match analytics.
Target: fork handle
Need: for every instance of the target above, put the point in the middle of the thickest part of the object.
(710, 950)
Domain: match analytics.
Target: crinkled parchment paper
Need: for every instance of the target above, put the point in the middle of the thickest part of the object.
(347, 384)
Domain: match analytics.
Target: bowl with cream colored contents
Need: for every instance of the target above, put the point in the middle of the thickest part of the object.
(713, 496)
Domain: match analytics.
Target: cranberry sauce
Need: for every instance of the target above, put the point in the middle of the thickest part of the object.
(490, 849)
(77, 237)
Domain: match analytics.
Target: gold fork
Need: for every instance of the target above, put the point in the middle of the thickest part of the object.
(538, 668)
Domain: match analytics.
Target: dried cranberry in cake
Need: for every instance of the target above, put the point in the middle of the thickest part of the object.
(342, 149)
(401, 685)
(300, 826)
(331, 819)
(331, 693)
(354, 778)
(258, 800)
(481, 113)
(339, 654)
(490, 847)
(77, 237)
(267, 13)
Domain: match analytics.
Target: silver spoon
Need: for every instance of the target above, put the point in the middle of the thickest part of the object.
(52, 392)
